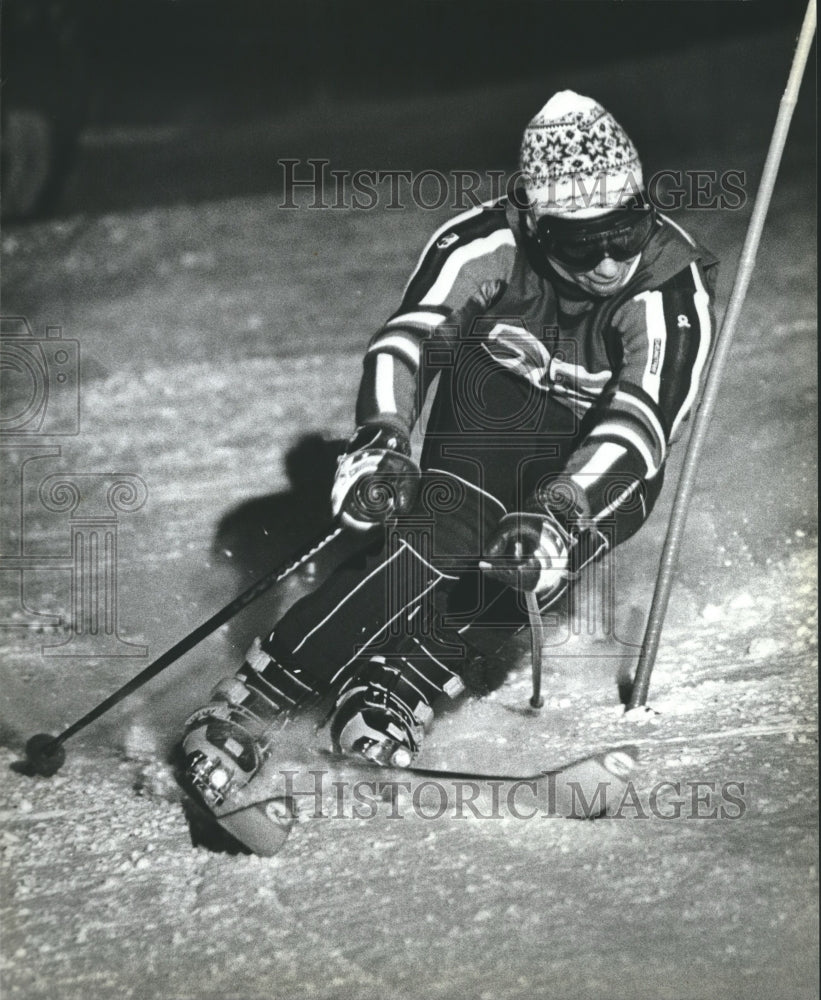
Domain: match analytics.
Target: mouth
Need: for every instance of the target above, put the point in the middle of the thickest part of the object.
(605, 283)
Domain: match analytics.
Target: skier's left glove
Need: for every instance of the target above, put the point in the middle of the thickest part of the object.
(376, 478)
(529, 551)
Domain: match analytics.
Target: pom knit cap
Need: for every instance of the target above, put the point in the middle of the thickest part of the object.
(576, 160)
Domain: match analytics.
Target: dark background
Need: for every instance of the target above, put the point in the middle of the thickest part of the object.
(90, 68)
(152, 61)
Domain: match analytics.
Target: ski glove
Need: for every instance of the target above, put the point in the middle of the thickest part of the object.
(529, 552)
(376, 478)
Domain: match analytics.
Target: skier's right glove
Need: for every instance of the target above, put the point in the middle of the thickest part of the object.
(529, 552)
(376, 478)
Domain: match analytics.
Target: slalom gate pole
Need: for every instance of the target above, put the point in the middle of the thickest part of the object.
(698, 435)
(45, 753)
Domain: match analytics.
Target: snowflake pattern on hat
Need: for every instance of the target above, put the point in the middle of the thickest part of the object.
(576, 158)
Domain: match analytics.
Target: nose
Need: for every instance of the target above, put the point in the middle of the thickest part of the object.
(607, 268)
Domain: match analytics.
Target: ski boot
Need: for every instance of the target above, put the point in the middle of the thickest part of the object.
(382, 715)
(228, 742)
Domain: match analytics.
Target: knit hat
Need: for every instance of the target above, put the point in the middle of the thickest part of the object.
(576, 160)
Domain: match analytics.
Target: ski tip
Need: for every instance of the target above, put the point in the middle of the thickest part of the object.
(620, 761)
(594, 786)
(262, 827)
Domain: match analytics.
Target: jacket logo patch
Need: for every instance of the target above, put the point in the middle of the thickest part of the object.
(683, 322)
(516, 348)
(445, 241)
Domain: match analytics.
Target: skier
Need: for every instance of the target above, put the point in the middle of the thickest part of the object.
(549, 345)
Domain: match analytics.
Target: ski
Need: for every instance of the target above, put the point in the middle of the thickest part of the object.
(262, 814)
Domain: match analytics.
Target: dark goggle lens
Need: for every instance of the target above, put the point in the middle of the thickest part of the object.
(583, 251)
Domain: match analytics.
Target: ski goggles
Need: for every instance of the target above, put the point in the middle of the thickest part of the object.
(581, 244)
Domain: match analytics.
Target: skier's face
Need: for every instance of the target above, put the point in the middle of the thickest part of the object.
(598, 254)
(606, 278)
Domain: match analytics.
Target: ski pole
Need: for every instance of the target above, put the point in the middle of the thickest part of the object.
(536, 643)
(698, 435)
(45, 754)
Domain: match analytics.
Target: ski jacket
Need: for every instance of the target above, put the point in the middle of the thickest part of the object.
(630, 364)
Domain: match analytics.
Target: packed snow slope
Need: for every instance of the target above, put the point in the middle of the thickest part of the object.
(219, 338)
